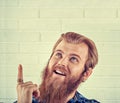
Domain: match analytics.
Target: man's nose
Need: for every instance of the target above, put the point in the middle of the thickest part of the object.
(63, 62)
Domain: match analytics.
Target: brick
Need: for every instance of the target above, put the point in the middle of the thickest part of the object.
(98, 82)
(2, 3)
(29, 3)
(102, 94)
(8, 24)
(119, 13)
(61, 13)
(2, 71)
(11, 82)
(3, 82)
(110, 101)
(2, 12)
(109, 59)
(11, 24)
(28, 59)
(86, 25)
(8, 59)
(11, 92)
(98, 71)
(28, 36)
(70, 4)
(16, 36)
(109, 91)
(10, 100)
(17, 13)
(10, 70)
(102, 36)
(35, 47)
(100, 12)
(40, 25)
(12, 59)
(2, 24)
(2, 94)
(53, 36)
(92, 20)
(44, 61)
(9, 47)
(110, 48)
(11, 3)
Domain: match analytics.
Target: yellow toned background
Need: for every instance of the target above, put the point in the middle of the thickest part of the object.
(29, 28)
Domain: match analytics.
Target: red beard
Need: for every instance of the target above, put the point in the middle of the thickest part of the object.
(52, 91)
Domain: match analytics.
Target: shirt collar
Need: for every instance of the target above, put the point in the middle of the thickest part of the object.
(76, 98)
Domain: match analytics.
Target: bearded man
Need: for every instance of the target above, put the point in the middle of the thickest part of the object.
(72, 61)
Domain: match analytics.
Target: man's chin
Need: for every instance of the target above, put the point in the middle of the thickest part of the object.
(57, 87)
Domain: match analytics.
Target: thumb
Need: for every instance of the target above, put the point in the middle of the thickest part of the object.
(36, 94)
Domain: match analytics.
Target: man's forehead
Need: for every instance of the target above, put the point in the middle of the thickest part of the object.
(79, 49)
(65, 44)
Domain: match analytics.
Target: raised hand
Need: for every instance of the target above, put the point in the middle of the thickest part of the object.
(25, 90)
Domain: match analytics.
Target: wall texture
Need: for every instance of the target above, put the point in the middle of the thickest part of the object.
(29, 28)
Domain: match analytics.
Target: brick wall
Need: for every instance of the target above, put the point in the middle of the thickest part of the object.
(29, 28)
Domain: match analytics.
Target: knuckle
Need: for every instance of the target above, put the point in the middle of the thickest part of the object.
(27, 90)
(35, 85)
(19, 86)
(29, 82)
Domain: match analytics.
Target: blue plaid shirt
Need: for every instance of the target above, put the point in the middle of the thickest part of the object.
(78, 98)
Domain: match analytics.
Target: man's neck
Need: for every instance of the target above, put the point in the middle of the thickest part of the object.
(71, 96)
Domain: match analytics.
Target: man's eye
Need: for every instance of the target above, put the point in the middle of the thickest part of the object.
(74, 59)
(58, 55)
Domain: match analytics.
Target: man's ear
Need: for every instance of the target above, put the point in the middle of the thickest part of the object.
(86, 74)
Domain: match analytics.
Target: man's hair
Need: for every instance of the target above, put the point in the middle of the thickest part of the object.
(75, 38)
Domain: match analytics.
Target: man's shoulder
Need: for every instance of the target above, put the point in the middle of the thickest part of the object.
(81, 99)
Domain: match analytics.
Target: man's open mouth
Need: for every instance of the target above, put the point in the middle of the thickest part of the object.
(59, 72)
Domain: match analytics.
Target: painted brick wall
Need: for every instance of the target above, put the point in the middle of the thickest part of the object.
(29, 28)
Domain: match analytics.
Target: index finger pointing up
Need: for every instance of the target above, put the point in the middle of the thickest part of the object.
(20, 74)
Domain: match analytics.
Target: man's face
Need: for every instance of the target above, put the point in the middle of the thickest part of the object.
(64, 72)
(67, 61)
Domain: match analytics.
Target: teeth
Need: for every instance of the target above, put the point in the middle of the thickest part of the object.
(59, 72)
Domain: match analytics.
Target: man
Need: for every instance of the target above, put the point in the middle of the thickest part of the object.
(72, 61)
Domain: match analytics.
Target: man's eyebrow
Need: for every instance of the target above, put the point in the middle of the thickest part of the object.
(70, 54)
(59, 51)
